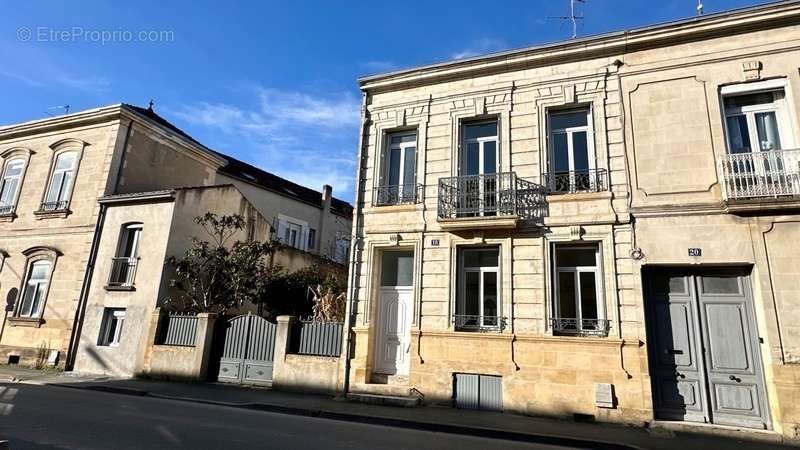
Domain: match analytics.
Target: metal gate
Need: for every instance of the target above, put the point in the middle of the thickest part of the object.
(248, 351)
(704, 348)
(473, 391)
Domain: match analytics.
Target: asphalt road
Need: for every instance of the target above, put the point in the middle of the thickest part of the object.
(50, 418)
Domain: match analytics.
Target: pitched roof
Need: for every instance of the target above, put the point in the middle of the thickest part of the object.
(252, 174)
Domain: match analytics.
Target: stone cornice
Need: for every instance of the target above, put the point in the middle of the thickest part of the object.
(722, 24)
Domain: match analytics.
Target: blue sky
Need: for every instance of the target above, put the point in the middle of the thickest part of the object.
(269, 82)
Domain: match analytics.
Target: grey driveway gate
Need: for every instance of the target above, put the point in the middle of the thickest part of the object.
(248, 351)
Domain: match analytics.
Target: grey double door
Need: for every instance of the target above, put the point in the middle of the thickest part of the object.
(704, 348)
(248, 350)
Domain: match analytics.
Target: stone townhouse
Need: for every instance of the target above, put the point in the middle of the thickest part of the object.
(90, 199)
(601, 228)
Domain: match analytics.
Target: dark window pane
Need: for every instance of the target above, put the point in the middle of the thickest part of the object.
(397, 268)
(409, 165)
(473, 159)
(566, 295)
(560, 153)
(759, 98)
(474, 131)
(489, 157)
(471, 293)
(721, 285)
(576, 257)
(580, 150)
(588, 295)
(481, 258)
(490, 294)
(562, 120)
(394, 167)
(738, 134)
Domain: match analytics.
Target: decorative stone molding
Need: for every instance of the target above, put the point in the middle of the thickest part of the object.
(752, 69)
(576, 232)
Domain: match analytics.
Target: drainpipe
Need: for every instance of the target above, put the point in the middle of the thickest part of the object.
(80, 312)
(355, 244)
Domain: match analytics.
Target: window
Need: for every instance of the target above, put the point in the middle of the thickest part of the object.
(123, 265)
(578, 291)
(61, 181)
(754, 122)
(571, 152)
(34, 290)
(478, 301)
(9, 186)
(341, 252)
(478, 186)
(293, 232)
(397, 268)
(400, 173)
(111, 328)
(312, 238)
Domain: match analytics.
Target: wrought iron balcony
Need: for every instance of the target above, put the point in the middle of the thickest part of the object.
(580, 327)
(123, 271)
(493, 195)
(572, 182)
(60, 205)
(469, 322)
(402, 194)
(760, 175)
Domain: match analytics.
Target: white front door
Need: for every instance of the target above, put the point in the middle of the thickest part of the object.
(394, 335)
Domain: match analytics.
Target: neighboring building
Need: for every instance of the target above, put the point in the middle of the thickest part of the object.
(64, 181)
(601, 227)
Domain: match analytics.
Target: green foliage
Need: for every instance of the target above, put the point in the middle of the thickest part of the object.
(218, 275)
(293, 292)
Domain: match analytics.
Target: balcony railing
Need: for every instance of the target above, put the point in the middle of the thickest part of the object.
(580, 327)
(572, 182)
(402, 194)
(766, 174)
(490, 195)
(60, 205)
(468, 322)
(6, 210)
(123, 271)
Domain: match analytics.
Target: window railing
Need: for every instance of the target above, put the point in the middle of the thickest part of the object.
(6, 209)
(490, 195)
(402, 194)
(123, 271)
(572, 182)
(469, 322)
(54, 206)
(766, 174)
(580, 327)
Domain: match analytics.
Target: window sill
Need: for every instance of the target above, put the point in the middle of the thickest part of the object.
(8, 217)
(57, 214)
(114, 288)
(35, 322)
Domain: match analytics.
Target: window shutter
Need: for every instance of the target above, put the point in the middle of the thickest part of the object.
(281, 230)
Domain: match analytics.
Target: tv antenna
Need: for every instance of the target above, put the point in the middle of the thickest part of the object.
(572, 17)
(699, 7)
(64, 107)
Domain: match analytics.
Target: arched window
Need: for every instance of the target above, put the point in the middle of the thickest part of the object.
(59, 190)
(10, 184)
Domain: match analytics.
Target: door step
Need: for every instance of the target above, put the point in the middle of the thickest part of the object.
(387, 400)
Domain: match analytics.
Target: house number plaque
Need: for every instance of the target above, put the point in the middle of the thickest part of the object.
(695, 252)
(434, 242)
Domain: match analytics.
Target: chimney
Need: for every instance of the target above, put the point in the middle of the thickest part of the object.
(327, 195)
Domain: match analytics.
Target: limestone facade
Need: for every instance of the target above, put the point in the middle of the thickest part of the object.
(657, 135)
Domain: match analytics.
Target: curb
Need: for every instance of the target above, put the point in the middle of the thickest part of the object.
(462, 430)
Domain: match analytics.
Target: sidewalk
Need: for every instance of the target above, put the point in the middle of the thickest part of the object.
(439, 419)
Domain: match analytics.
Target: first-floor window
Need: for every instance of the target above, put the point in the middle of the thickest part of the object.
(61, 180)
(342, 251)
(111, 329)
(578, 290)
(292, 232)
(478, 301)
(312, 238)
(35, 289)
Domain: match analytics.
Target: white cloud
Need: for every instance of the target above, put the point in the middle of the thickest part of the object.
(309, 139)
(481, 46)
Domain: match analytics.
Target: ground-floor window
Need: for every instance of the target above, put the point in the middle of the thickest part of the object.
(111, 329)
(478, 299)
(578, 303)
